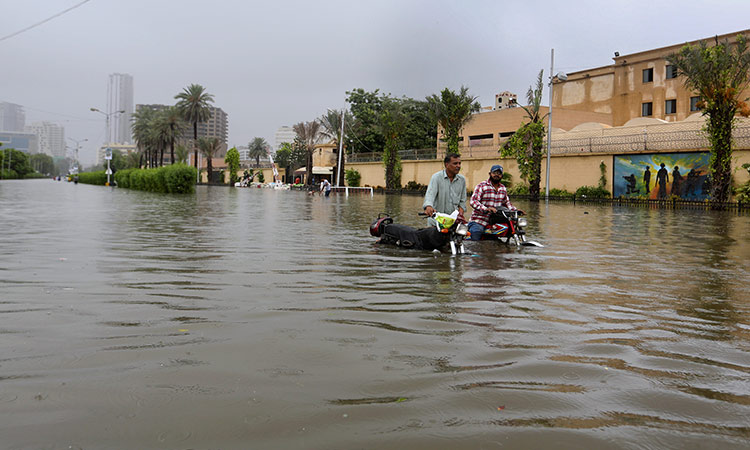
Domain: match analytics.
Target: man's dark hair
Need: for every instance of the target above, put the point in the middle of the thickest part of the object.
(450, 156)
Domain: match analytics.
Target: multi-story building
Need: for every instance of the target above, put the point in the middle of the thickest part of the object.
(216, 126)
(120, 98)
(51, 138)
(22, 141)
(283, 134)
(12, 117)
(636, 85)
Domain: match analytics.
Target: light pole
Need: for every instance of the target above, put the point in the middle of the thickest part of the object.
(78, 145)
(108, 155)
(562, 76)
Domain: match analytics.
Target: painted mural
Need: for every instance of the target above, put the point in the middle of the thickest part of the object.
(662, 175)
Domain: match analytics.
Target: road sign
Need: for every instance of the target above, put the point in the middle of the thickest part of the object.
(108, 153)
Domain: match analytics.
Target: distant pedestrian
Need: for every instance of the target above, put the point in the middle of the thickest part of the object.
(325, 186)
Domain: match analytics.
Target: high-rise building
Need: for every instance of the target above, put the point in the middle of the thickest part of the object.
(12, 117)
(50, 137)
(283, 134)
(120, 98)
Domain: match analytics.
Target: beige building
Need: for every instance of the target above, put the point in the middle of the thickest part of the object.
(640, 84)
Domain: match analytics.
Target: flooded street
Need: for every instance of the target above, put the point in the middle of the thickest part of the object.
(253, 318)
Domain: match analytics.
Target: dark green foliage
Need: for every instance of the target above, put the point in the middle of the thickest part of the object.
(233, 164)
(353, 177)
(519, 189)
(98, 178)
(19, 163)
(555, 192)
(452, 111)
(719, 75)
(364, 132)
(414, 186)
(591, 192)
(527, 143)
(603, 175)
(42, 163)
(392, 123)
(174, 179)
(261, 177)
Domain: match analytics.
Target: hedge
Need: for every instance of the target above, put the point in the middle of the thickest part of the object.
(98, 178)
(173, 179)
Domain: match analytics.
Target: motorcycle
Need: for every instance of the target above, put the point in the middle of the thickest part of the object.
(506, 225)
(448, 231)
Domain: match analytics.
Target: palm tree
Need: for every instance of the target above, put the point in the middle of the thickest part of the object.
(257, 149)
(169, 126)
(208, 147)
(719, 74)
(141, 126)
(308, 132)
(194, 106)
(452, 111)
(331, 122)
(526, 144)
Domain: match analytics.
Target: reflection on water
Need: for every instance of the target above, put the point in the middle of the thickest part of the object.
(246, 315)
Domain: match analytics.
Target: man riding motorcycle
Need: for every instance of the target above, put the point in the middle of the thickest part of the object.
(487, 197)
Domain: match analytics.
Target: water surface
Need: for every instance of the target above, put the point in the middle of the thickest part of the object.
(250, 318)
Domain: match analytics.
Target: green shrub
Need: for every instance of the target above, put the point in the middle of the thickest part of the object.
(261, 177)
(122, 178)
(555, 192)
(180, 179)
(414, 186)
(98, 178)
(592, 192)
(519, 189)
(353, 177)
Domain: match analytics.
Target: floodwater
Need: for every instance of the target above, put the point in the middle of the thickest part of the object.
(251, 318)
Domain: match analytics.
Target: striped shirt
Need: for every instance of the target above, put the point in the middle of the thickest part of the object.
(486, 196)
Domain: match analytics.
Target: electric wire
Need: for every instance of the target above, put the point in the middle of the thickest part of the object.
(43, 21)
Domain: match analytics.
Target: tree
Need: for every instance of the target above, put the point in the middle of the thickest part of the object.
(233, 164)
(142, 132)
(257, 148)
(526, 145)
(18, 162)
(452, 111)
(332, 129)
(308, 133)
(194, 106)
(42, 163)
(181, 153)
(719, 74)
(420, 131)
(393, 124)
(208, 147)
(366, 107)
(169, 126)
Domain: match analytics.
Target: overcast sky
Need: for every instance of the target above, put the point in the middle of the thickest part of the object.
(280, 62)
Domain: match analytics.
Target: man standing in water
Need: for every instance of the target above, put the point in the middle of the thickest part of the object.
(662, 177)
(488, 196)
(446, 191)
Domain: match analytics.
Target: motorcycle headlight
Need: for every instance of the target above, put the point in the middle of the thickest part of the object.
(462, 229)
(522, 222)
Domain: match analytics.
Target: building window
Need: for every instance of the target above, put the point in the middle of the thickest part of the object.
(670, 107)
(647, 109)
(694, 103)
(648, 75)
(671, 71)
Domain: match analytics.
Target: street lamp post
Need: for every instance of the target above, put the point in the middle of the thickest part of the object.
(108, 155)
(78, 146)
(562, 76)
